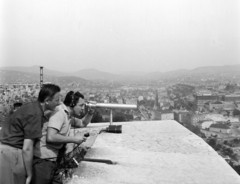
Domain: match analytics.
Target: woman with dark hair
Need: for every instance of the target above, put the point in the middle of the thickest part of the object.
(55, 135)
(20, 132)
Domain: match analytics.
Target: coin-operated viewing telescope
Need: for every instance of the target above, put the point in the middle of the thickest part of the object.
(92, 104)
(110, 105)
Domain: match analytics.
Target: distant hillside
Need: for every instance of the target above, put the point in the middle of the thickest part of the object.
(7, 76)
(133, 73)
(228, 72)
(92, 74)
(217, 69)
(88, 74)
(36, 70)
(215, 72)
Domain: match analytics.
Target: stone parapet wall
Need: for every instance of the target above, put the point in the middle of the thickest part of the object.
(153, 152)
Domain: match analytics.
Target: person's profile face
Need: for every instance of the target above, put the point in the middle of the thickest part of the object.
(53, 102)
(79, 107)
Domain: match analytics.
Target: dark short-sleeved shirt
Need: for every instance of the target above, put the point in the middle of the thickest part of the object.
(25, 123)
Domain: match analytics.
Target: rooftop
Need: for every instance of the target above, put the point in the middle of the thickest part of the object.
(153, 152)
(222, 126)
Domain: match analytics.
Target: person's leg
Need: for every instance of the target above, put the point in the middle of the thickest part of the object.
(12, 170)
(43, 171)
(6, 175)
(19, 170)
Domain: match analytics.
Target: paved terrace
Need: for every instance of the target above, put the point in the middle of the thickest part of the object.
(159, 152)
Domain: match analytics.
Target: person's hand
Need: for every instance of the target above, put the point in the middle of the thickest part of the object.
(91, 110)
(80, 140)
(28, 180)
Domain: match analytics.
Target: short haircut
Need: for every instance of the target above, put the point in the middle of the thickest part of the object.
(17, 104)
(72, 98)
(48, 90)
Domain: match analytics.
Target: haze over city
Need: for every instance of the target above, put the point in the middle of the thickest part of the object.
(118, 36)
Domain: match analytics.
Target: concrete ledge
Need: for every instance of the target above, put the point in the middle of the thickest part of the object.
(154, 152)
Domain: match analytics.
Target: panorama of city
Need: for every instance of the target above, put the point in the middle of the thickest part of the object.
(205, 100)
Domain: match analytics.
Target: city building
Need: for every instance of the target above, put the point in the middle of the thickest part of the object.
(220, 128)
(183, 116)
(167, 115)
(232, 98)
(201, 100)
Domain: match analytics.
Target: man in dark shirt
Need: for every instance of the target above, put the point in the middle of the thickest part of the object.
(19, 133)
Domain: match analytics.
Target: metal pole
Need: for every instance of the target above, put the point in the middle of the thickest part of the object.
(112, 106)
(41, 76)
(111, 118)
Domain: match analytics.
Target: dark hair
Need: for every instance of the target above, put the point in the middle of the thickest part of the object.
(17, 104)
(72, 98)
(48, 90)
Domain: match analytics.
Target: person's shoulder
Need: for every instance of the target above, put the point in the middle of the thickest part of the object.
(59, 108)
(26, 109)
(48, 114)
(57, 117)
(31, 105)
(58, 111)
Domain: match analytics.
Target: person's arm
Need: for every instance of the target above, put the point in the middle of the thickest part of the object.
(32, 129)
(54, 126)
(27, 152)
(81, 123)
(53, 136)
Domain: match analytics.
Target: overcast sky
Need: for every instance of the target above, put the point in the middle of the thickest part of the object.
(119, 35)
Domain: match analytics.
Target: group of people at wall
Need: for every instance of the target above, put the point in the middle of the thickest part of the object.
(30, 139)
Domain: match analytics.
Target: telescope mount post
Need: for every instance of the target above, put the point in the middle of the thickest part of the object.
(111, 117)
